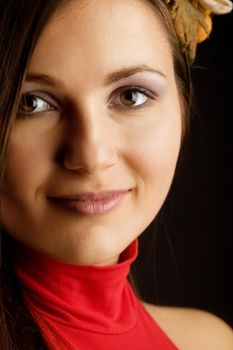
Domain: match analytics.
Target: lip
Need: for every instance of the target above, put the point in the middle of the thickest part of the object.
(91, 203)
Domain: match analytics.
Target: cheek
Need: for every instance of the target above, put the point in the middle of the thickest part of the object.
(154, 161)
(26, 167)
(156, 149)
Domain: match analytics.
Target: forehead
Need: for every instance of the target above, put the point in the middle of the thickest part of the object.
(102, 35)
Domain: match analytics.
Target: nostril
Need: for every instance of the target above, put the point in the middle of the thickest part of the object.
(89, 157)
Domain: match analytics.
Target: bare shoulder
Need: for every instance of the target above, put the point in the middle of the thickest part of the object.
(192, 329)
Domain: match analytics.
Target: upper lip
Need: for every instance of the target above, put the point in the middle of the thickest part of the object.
(84, 196)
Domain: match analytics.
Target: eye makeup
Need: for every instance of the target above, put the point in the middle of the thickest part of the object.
(154, 82)
(150, 85)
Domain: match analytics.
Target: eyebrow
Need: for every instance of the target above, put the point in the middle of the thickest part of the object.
(110, 79)
(129, 71)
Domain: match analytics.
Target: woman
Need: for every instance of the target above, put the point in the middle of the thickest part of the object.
(94, 108)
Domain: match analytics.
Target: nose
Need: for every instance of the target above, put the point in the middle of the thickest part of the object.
(90, 144)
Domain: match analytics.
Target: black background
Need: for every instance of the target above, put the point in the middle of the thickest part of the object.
(193, 251)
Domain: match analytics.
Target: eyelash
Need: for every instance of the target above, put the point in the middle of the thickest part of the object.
(43, 100)
(126, 89)
(147, 93)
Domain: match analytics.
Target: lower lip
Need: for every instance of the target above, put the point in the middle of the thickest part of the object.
(91, 207)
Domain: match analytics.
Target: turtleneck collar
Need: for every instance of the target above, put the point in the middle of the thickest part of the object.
(88, 297)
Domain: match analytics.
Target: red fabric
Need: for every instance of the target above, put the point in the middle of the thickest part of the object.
(87, 307)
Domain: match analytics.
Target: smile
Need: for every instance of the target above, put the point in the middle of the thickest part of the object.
(91, 203)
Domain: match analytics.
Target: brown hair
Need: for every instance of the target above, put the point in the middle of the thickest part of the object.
(21, 24)
(181, 62)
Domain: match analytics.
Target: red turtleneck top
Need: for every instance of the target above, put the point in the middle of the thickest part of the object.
(87, 307)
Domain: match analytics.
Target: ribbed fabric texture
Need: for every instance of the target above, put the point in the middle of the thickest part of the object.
(87, 307)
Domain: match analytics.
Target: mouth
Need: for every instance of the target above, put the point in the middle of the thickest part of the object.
(90, 203)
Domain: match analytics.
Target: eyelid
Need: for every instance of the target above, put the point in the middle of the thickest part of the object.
(133, 87)
(45, 97)
(151, 95)
(48, 98)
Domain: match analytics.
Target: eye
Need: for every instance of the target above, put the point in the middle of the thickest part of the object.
(133, 97)
(31, 104)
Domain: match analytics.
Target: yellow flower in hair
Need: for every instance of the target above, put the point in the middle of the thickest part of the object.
(188, 17)
(219, 7)
(202, 34)
(193, 20)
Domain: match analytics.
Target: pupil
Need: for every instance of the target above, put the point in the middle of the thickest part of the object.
(29, 103)
(129, 97)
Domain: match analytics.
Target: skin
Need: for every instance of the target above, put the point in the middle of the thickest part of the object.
(91, 141)
(86, 139)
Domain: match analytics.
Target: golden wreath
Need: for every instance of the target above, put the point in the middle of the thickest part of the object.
(193, 20)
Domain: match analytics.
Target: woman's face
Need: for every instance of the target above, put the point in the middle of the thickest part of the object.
(95, 144)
